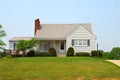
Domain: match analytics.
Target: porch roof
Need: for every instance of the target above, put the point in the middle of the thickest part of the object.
(51, 38)
(58, 31)
(20, 38)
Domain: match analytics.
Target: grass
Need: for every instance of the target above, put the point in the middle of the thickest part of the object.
(57, 68)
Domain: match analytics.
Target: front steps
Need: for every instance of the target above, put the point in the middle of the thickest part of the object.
(61, 55)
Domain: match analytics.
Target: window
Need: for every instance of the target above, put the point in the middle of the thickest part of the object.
(14, 46)
(46, 46)
(81, 42)
(76, 42)
(62, 46)
(84, 42)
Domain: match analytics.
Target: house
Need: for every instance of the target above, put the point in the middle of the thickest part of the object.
(61, 37)
(13, 41)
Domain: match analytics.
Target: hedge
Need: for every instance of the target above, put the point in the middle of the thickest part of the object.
(86, 54)
(96, 53)
(41, 54)
(30, 53)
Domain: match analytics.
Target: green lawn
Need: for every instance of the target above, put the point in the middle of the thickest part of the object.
(57, 68)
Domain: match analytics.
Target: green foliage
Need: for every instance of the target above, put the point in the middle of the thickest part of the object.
(22, 45)
(26, 44)
(70, 51)
(106, 55)
(1, 53)
(52, 52)
(41, 54)
(96, 53)
(30, 53)
(8, 56)
(115, 53)
(85, 54)
(2, 34)
(32, 43)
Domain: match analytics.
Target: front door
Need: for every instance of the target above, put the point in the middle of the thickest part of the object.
(61, 47)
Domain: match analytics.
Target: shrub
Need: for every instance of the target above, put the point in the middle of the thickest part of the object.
(30, 53)
(42, 54)
(107, 55)
(115, 53)
(52, 52)
(1, 54)
(8, 56)
(16, 53)
(96, 53)
(70, 51)
(86, 54)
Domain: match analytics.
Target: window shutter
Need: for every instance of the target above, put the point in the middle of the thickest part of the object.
(72, 42)
(88, 42)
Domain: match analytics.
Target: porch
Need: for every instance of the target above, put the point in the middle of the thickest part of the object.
(59, 45)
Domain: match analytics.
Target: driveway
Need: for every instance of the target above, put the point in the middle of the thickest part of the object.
(117, 62)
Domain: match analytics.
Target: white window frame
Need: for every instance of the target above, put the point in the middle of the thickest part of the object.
(76, 42)
(81, 42)
(85, 42)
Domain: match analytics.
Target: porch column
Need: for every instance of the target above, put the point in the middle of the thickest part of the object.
(54, 46)
(40, 46)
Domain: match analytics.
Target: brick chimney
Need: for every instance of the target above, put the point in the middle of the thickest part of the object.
(37, 26)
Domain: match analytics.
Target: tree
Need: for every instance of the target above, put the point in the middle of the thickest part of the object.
(2, 34)
(26, 44)
(115, 53)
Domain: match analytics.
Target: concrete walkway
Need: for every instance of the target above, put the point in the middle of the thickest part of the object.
(61, 55)
(117, 62)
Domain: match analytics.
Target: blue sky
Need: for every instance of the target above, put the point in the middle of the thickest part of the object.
(17, 17)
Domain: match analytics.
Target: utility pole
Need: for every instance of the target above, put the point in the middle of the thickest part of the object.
(97, 46)
(97, 50)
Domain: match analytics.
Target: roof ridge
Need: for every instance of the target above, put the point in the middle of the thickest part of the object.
(22, 37)
(63, 23)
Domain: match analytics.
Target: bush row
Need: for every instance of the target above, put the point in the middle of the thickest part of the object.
(32, 53)
(113, 54)
(52, 52)
(85, 54)
(42, 54)
(96, 53)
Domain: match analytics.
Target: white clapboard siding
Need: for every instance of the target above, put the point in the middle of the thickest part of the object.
(11, 45)
(81, 33)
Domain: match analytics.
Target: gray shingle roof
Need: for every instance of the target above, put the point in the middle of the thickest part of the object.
(58, 31)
